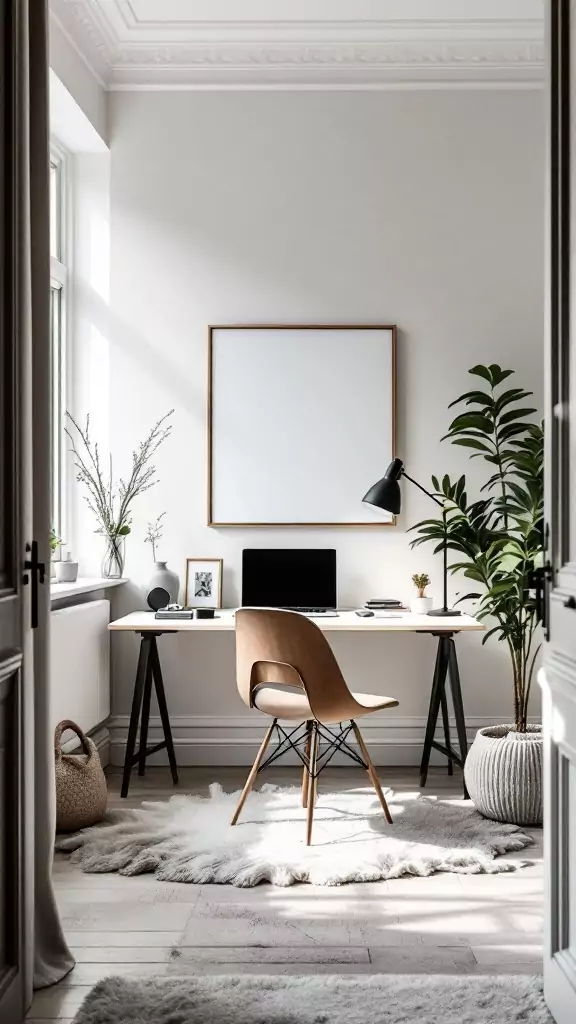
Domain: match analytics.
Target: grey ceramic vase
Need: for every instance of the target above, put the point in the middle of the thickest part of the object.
(503, 774)
(165, 578)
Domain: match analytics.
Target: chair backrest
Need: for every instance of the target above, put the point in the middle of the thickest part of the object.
(286, 648)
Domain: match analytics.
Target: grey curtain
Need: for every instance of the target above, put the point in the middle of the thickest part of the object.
(30, 163)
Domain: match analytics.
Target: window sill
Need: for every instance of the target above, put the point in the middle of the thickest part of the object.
(83, 585)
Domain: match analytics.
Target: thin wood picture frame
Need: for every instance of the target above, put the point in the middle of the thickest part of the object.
(195, 600)
(212, 329)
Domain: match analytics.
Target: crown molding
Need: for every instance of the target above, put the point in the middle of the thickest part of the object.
(382, 63)
(330, 55)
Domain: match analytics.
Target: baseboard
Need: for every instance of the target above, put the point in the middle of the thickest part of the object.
(207, 740)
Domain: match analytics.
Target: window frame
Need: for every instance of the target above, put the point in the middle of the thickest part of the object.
(60, 289)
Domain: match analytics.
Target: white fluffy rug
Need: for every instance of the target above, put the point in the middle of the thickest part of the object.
(189, 839)
(384, 999)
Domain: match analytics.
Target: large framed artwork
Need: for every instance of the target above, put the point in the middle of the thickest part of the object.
(301, 422)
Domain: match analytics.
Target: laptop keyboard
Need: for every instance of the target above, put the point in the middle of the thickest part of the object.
(310, 611)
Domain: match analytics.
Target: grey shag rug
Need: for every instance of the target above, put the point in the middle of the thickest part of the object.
(189, 839)
(364, 999)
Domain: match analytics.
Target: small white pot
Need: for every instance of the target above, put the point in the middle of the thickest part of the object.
(421, 605)
(66, 571)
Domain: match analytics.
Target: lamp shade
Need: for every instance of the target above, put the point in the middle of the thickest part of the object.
(385, 494)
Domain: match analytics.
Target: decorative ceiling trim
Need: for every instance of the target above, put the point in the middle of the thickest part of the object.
(419, 53)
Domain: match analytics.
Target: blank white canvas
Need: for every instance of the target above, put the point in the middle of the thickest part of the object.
(301, 423)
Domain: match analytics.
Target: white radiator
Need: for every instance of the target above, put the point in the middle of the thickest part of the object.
(80, 664)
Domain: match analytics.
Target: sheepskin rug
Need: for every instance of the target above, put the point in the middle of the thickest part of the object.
(190, 839)
(369, 999)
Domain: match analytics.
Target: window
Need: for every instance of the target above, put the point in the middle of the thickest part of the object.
(59, 276)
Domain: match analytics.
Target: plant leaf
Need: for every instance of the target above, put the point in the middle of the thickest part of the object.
(481, 397)
(481, 371)
(474, 420)
(515, 414)
(471, 442)
(498, 374)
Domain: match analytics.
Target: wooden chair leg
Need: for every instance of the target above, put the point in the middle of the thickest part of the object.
(305, 774)
(312, 783)
(372, 772)
(253, 772)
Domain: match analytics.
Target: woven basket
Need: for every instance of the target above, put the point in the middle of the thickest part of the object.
(81, 793)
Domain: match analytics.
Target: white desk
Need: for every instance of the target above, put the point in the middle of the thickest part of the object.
(149, 673)
(141, 622)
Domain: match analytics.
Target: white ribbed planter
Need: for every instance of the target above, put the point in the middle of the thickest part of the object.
(503, 774)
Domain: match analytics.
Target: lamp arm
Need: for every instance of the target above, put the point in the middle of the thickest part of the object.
(423, 489)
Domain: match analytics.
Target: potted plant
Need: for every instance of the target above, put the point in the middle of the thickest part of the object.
(421, 604)
(498, 541)
(111, 502)
(55, 543)
(162, 576)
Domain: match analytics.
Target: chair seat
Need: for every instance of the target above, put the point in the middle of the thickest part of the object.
(291, 703)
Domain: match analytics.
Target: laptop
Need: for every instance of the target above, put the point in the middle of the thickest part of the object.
(299, 579)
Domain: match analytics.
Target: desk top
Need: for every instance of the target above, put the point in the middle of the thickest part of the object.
(344, 622)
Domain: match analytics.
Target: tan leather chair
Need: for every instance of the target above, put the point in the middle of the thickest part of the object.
(286, 668)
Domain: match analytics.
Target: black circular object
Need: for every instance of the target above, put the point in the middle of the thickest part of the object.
(158, 598)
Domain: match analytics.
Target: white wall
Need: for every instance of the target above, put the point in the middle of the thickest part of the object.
(78, 78)
(418, 208)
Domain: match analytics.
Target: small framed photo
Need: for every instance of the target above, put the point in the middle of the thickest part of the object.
(203, 587)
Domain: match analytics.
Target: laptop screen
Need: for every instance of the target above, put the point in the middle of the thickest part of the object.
(289, 577)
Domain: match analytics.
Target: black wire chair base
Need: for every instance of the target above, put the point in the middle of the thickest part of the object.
(298, 738)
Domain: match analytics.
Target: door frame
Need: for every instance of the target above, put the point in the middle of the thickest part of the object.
(558, 676)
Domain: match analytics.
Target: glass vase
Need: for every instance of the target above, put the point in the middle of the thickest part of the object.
(112, 567)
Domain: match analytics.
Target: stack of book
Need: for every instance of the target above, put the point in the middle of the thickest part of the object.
(383, 604)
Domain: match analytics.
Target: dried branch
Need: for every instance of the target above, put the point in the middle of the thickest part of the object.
(109, 502)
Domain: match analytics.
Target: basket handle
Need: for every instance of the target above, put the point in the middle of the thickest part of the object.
(62, 727)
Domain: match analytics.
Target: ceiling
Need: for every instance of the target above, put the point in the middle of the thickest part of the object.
(305, 43)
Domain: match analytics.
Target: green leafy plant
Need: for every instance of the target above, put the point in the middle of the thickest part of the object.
(498, 537)
(55, 541)
(421, 580)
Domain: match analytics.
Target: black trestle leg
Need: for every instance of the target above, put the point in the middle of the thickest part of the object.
(145, 719)
(458, 706)
(446, 724)
(139, 682)
(161, 697)
(438, 684)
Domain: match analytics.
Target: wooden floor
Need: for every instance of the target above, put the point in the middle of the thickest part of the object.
(443, 924)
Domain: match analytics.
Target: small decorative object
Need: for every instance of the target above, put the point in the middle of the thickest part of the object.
(163, 579)
(499, 541)
(114, 557)
(203, 587)
(81, 792)
(421, 604)
(55, 542)
(109, 501)
(66, 569)
(158, 598)
(166, 580)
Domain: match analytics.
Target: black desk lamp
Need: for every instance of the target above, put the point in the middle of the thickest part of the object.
(386, 494)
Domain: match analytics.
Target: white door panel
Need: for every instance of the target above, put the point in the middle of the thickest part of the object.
(558, 676)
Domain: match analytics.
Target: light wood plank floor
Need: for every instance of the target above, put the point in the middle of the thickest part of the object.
(443, 924)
